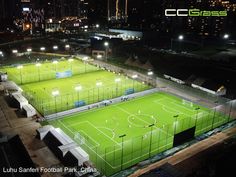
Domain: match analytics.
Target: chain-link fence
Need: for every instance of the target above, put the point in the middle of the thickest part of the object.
(69, 101)
(47, 70)
(128, 152)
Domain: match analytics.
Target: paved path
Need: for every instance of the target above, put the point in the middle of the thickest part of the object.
(10, 124)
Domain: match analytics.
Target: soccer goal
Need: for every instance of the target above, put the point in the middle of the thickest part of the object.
(79, 138)
(187, 103)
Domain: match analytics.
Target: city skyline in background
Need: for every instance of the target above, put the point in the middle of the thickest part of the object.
(144, 15)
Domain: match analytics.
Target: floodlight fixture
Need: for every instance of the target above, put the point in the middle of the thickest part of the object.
(55, 93)
(117, 79)
(181, 37)
(42, 48)
(55, 62)
(55, 47)
(226, 36)
(71, 60)
(78, 87)
(98, 84)
(20, 67)
(135, 76)
(150, 73)
(29, 50)
(38, 64)
(14, 51)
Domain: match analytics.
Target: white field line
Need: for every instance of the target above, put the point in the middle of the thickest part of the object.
(77, 132)
(148, 123)
(164, 107)
(89, 147)
(96, 129)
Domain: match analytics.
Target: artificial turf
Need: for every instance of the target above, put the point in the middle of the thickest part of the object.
(47, 70)
(98, 131)
(38, 83)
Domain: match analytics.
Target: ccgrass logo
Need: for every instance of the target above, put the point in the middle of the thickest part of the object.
(194, 13)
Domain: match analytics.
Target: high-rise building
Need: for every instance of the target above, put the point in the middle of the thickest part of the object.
(65, 8)
(117, 10)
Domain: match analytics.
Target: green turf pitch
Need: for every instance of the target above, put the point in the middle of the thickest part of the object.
(40, 93)
(98, 131)
(39, 81)
(44, 71)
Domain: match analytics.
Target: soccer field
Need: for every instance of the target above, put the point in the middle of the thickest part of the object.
(76, 83)
(29, 73)
(40, 93)
(148, 125)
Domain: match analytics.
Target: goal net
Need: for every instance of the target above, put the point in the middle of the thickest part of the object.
(187, 103)
(79, 138)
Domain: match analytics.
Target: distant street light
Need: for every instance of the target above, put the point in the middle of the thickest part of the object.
(226, 36)
(97, 25)
(181, 37)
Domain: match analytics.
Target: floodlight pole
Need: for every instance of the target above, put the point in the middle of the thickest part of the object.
(38, 73)
(20, 76)
(116, 88)
(38, 65)
(213, 119)
(55, 99)
(196, 116)
(150, 145)
(176, 117)
(98, 93)
(230, 109)
(106, 44)
(122, 150)
(85, 66)
(20, 68)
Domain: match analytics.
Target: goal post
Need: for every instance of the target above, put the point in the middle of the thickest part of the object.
(187, 103)
(79, 138)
